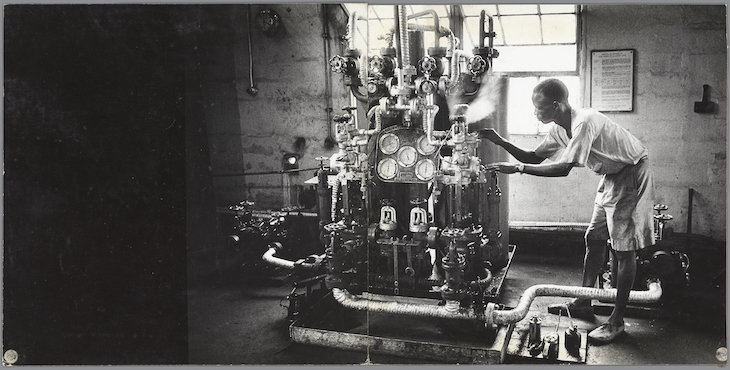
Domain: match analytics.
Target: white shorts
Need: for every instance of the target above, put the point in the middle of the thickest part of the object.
(624, 208)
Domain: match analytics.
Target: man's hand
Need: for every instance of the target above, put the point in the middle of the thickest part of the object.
(504, 167)
(491, 135)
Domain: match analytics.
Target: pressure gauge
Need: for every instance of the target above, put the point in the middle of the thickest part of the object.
(424, 147)
(387, 169)
(425, 169)
(407, 156)
(389, 143)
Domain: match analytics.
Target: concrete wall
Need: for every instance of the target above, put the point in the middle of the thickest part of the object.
(249, 133)
(678, 49)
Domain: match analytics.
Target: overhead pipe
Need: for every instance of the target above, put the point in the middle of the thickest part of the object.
(452, 309)
(436, 28)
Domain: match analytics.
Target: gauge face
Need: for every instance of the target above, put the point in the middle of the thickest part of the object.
(389, 143)
(425, 169)
(407, 156)
(387, 168)
(424, 147)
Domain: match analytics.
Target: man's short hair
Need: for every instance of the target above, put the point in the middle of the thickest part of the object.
(553, 89)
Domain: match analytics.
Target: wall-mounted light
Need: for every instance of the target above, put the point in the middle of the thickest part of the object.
(290, 161)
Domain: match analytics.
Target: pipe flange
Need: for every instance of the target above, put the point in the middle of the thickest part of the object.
(488, 315)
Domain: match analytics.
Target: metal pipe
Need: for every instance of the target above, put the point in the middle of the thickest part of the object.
(355, 89)
(481, 28)
(355, 16)
(455, 59)
(327, 82)
(519, 312)
(403, 32)
(690, 195)
(269, 257)
(335, 183)
(252, 90)
(452, 309)
(436, 28)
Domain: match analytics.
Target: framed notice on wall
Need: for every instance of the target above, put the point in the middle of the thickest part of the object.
(612, 80)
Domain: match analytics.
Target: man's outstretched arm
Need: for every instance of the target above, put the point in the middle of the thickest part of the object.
(521, 154)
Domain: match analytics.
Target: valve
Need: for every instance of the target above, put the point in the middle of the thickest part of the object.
(323, 162)
(346, 65)
(477, 65)
(380, 66)
(427, 65)
(428, 87)
(659, 220)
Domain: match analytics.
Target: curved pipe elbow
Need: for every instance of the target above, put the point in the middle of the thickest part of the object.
(653, 294)
(269, 258)
(358, 95)
(436, 27)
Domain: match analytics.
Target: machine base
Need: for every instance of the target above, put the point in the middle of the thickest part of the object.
(433, 340)
(326, 323)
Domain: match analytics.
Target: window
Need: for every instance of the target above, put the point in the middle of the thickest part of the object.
(534, 41)
(521, 118)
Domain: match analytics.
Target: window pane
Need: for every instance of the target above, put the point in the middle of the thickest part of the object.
(558, 29)
(520, 111)
(555, 8)
(470, 38)
(536, 58)
(517, 9)
(573, 85)
(521, 118)
(441, 10)
(476, 10)
(521, 30)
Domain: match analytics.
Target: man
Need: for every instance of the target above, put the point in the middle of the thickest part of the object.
(623, 207)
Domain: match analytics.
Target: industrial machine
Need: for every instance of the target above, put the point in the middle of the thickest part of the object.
(411, 224)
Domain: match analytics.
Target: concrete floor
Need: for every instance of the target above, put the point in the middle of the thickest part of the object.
(234, 320)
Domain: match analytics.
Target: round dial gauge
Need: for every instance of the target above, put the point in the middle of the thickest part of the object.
(425, 169)
(424, 147)
(389, 143)
(407, 156)
(387, 168)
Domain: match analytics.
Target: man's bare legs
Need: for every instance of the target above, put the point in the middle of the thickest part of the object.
(625, 275)
(593, 262)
